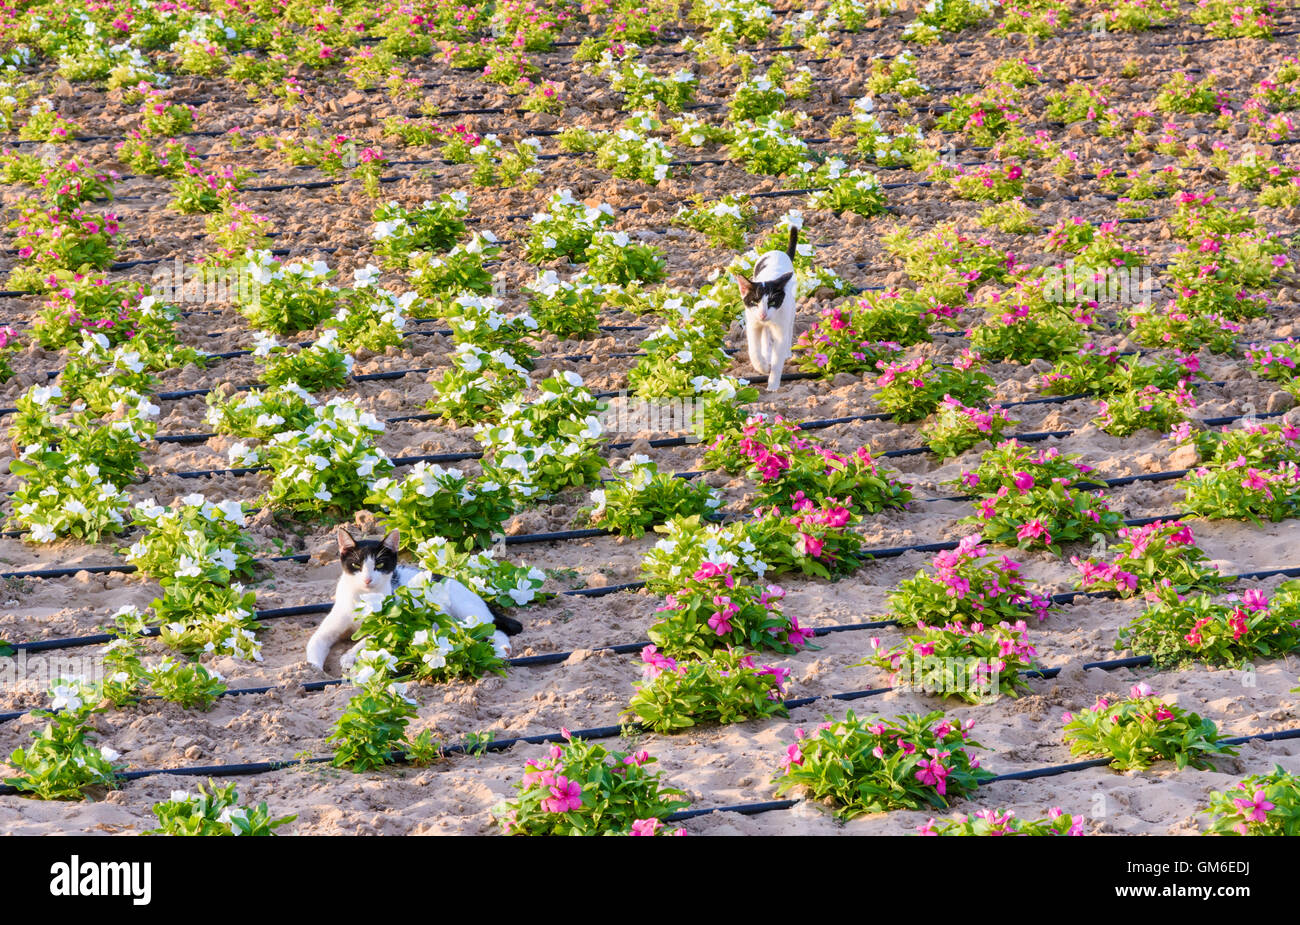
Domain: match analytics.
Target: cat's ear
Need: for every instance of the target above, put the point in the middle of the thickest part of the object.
(781, 281)
(346, 542)
(747, 285)
(393, 541)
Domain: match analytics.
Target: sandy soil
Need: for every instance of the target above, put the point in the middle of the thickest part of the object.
(715, 766)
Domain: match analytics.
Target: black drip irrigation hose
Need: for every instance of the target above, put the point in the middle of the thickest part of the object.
(606, 732)
(1064, 597)
(659, 443)
(327, 183)
(299, 610)
(627, 208)
(661, 50)
(754, 809)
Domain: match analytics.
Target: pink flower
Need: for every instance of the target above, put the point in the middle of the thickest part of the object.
(1255, 600)
(797, 635)
(1257, 805)
(646, 826)
(809, 545)
(1253, 480)
(655, 663)
(565, 795)
(1034, 530)
(1024, 481)
(719, 624)
(932, 772)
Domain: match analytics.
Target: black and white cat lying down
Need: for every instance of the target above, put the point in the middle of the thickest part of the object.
(370, 567)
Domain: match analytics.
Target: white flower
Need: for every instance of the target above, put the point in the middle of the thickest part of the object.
(65, 697)
(225, 558)
(592, 429)
(264, 343)
(42, 394)
(233, 511)
(366, 465)
(366, 276)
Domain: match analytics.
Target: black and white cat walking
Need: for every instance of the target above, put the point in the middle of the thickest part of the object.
(370, 567)
(770, 309)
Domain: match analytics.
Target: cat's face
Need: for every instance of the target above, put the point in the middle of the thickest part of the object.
(763, 300)
(368, 565)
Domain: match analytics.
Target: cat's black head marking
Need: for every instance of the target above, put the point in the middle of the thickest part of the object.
(752, 293)
(353, 553)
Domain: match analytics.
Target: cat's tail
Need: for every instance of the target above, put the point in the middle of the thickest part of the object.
(793, 246)
(508, 625)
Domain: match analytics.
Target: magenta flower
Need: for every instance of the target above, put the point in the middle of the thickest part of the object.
(565, 795)
(1257, 805)
(1255, 600)
(646, 826)
(1034, 530)
(933, 773)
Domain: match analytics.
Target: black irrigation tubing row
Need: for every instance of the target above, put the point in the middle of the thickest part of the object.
(555, 658)
(619, 445)
(395, 178)
(528, 661)
(315, 248)
(628, 208)
(43, 645)
(607, 732)
(883, 416)
(661, 53)
(312, 687)
(865, 555)
(754, 809)
(67, 571)
(1031, 437)
(660, 443)
(274, 613)
(180, 394)
(1037, 436)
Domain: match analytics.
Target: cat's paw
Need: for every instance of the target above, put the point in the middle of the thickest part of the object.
(316, 655)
